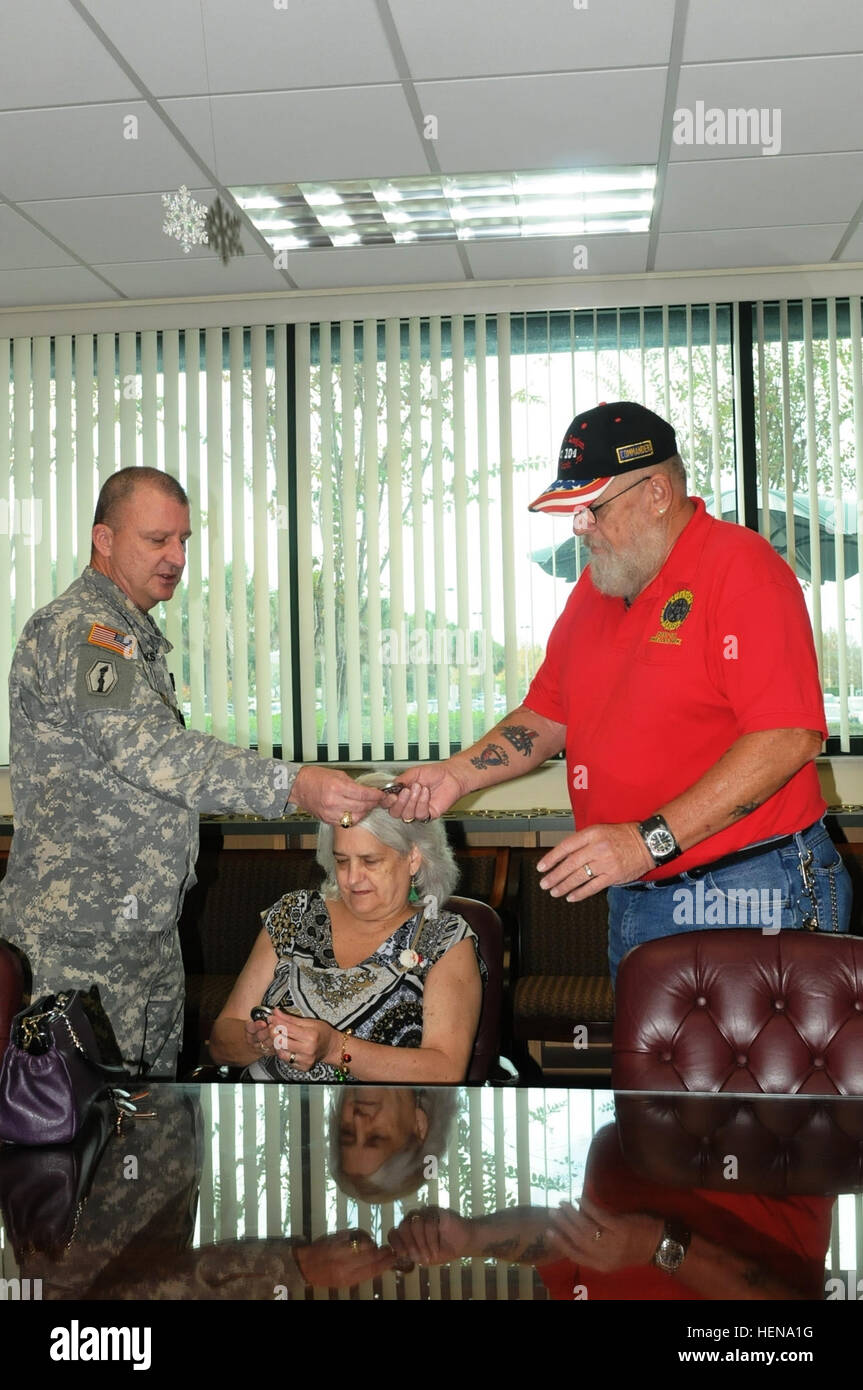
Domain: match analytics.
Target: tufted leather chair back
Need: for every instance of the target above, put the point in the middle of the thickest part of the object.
(740, 1010)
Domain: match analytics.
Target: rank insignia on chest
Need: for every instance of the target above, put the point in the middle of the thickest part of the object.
(675, 611)
(125, 644)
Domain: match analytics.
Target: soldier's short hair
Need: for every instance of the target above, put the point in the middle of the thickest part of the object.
(121, 485)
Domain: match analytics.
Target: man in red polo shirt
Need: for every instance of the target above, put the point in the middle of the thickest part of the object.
(681, 679)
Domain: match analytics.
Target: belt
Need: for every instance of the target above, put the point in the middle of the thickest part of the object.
(738, 857)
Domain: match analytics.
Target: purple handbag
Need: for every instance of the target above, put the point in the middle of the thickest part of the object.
(52, 1073)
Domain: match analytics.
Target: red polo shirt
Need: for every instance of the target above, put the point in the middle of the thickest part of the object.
(718, 645)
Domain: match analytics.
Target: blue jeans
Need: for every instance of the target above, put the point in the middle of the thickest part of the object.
(766, 892)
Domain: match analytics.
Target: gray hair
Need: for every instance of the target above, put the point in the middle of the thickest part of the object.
(403, 1174)
(436, 876)
(676, 470)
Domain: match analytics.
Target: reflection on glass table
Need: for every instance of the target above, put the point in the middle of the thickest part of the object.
(292, 1193)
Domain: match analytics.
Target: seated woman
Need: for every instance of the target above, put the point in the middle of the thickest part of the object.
(368, 979)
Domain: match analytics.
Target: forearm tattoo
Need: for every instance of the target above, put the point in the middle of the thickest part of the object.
(536, 1250)
(491, 756)
(500, 1249)
(746, 810)
(521, 738)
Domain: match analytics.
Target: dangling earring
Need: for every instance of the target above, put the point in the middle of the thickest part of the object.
(413, 895)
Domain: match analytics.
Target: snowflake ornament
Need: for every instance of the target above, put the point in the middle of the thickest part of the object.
(184, 219)
(223, 232)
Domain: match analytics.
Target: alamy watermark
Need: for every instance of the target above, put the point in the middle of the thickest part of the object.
(738, 125)
(440, 647)
(22, 519)
(737, 907)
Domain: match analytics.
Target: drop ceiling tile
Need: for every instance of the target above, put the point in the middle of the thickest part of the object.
(123, 228)
(546, 122)
(739, 29)
(162, 41)
(749, 246)
(23, 246)
(854, 248)
(554, 256)
(814, 99)
(249, 47)
(55, 285)
(75, 152)
(48, 56)
(351, 133)
(374, 265)
(761, 192)
(487, 37)
(161, 279)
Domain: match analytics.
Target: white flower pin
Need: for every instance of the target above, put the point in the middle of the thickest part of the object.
(407, 958)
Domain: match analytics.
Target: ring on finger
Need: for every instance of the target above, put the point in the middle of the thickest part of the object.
(588, 870)
(346, 821)
(597, 1235)
(292, 1059)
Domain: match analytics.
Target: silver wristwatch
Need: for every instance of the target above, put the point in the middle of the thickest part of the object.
(660, 842)
(671, 1250)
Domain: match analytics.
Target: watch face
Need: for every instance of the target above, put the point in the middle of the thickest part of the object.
(660, 842)
(670, 1254)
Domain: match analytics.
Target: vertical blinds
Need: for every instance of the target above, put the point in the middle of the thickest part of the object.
(365, 580)
(212, 408)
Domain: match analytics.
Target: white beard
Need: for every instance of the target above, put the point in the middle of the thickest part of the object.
(624, 573)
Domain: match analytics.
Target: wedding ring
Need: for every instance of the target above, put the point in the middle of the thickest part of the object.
(292, 1059)
(408, 820)
(355, 1245)
(597, 1235)
(588, 870)
(346, 821)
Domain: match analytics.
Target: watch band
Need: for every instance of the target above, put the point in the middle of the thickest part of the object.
(659, 840)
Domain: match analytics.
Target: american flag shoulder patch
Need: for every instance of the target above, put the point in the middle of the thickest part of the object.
(124, 643)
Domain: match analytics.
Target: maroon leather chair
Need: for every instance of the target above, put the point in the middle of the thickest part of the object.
(740, 1010)
(11, 992)
(781, 1145)
(489, 931)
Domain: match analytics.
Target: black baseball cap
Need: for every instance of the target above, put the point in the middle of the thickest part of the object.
(599, 446)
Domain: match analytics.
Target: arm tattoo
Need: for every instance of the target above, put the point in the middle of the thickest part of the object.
(491, 756)
(521, 738)
(500, 1249)
(746, 810)
(536, 1250)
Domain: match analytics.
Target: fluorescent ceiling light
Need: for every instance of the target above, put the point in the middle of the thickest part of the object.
(468, 207)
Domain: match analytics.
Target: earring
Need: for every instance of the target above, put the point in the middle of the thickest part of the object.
(413, 895)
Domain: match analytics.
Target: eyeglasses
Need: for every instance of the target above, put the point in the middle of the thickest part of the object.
(586, 519)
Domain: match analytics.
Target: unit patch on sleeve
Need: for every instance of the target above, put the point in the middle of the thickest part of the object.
(102, 682)
(674, 614)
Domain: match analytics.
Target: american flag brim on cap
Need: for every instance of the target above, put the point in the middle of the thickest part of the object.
(567, 495)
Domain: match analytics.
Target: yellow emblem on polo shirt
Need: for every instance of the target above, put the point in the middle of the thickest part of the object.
(674, 614)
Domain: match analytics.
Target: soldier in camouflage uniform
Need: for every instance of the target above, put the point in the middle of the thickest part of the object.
(107, 782)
